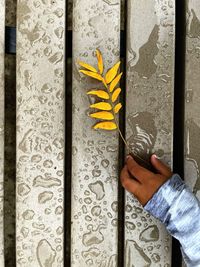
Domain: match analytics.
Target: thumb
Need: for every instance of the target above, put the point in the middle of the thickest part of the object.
(160, 166)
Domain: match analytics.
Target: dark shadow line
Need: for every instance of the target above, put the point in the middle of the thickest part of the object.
(122, 123)
(68, 145)
(10, 40)
(10, 162)
(179, 93)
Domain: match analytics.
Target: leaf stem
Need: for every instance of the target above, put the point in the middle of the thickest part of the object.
(116, 121)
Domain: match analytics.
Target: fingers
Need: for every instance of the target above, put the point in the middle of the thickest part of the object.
(146, 183)
(136, 170)
(160, 166)
(127, 182)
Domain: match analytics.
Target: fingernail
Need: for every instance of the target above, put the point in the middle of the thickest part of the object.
(128, 157)
(155, 156)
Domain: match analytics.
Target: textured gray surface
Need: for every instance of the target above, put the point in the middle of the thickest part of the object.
(2, 44)
(40, 133)
(192, 100)
(149, 116)
(96, 24)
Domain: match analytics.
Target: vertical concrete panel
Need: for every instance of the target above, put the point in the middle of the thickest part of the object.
(192, 97)
(96, 24)
(40, 133)
(149, 118)
(2, 49)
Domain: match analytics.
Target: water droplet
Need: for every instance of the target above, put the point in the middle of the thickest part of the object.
(105, 163)
(93, 237)
(128, 208)
(46, 88)
(109, 215)
(74, 150)
(150, 234)
(111, 148)
(114, 206)
(88, 218)
(38, 226)
(23, 189)
(133, 251)
(96, 210)
(46, 181)
(24, 231)
(36, 158)
(84, 209)
(47, 211)
(59, 210)
(28, 214)
(88, 200)
(44, 197)
(96, 173)
(134, 215)
(130, 225)
(155, 257)
(59, 143)
(59, 230)
(150, 248)
(98, 189)
(60, 156)
(114, 222)
(45, 253)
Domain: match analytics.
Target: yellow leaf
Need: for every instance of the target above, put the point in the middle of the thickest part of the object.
(117, 107)
(104, 115)
(102, 106)
(87, 66)
(100, 61)
(107, 125)
(116, 94)
(110, 75)
(100, 93)
(115, 82)
(92, 74)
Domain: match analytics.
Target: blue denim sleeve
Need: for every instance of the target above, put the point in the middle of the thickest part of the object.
(177, 207)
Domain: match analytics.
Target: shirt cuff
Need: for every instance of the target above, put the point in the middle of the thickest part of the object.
(162, 200)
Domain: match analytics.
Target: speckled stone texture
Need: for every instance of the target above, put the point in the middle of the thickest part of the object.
(149, 117)
(40, 132)
(96, 24)
(192, 97)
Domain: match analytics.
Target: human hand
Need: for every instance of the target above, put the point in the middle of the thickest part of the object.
(141, 182)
